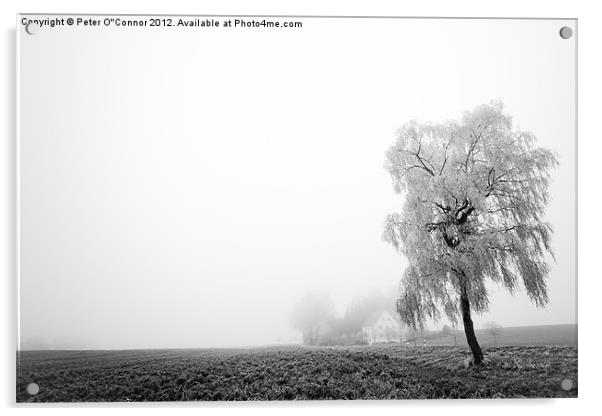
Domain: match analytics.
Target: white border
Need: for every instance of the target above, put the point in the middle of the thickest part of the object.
(590, 68)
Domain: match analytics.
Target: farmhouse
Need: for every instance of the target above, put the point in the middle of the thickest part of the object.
(382, 326)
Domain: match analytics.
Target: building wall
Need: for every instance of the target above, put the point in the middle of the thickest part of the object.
(385, 329)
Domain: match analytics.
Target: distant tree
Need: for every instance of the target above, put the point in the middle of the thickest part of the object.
(475, 193)
(310, 313)
(494, 329)
(361, 307)
(357, 312)
(455, 332)
(447, 330)
(450, 331)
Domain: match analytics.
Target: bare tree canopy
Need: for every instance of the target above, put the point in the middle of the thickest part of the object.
(474, 198)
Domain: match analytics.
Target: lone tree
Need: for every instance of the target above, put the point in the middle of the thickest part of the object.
(474, 197)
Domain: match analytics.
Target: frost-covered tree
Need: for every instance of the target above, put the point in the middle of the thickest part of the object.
(474, 193)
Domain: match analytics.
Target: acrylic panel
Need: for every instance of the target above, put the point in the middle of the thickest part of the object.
(295, 208)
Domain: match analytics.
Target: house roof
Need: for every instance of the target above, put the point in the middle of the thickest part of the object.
(375, 316)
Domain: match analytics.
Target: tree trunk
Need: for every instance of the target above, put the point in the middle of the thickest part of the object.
(469, 330)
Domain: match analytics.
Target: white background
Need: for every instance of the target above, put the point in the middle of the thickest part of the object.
(589, 69)
(223, 173)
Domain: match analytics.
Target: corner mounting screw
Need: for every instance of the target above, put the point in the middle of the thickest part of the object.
(566, 32)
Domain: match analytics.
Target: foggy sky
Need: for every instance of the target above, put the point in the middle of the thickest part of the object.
(185, 188)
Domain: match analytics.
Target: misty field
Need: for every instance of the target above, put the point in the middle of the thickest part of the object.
(297, 373)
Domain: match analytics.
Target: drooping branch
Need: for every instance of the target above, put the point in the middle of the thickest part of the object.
(443, 208)
(445, 154)
(421, 160)
(472, 147)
